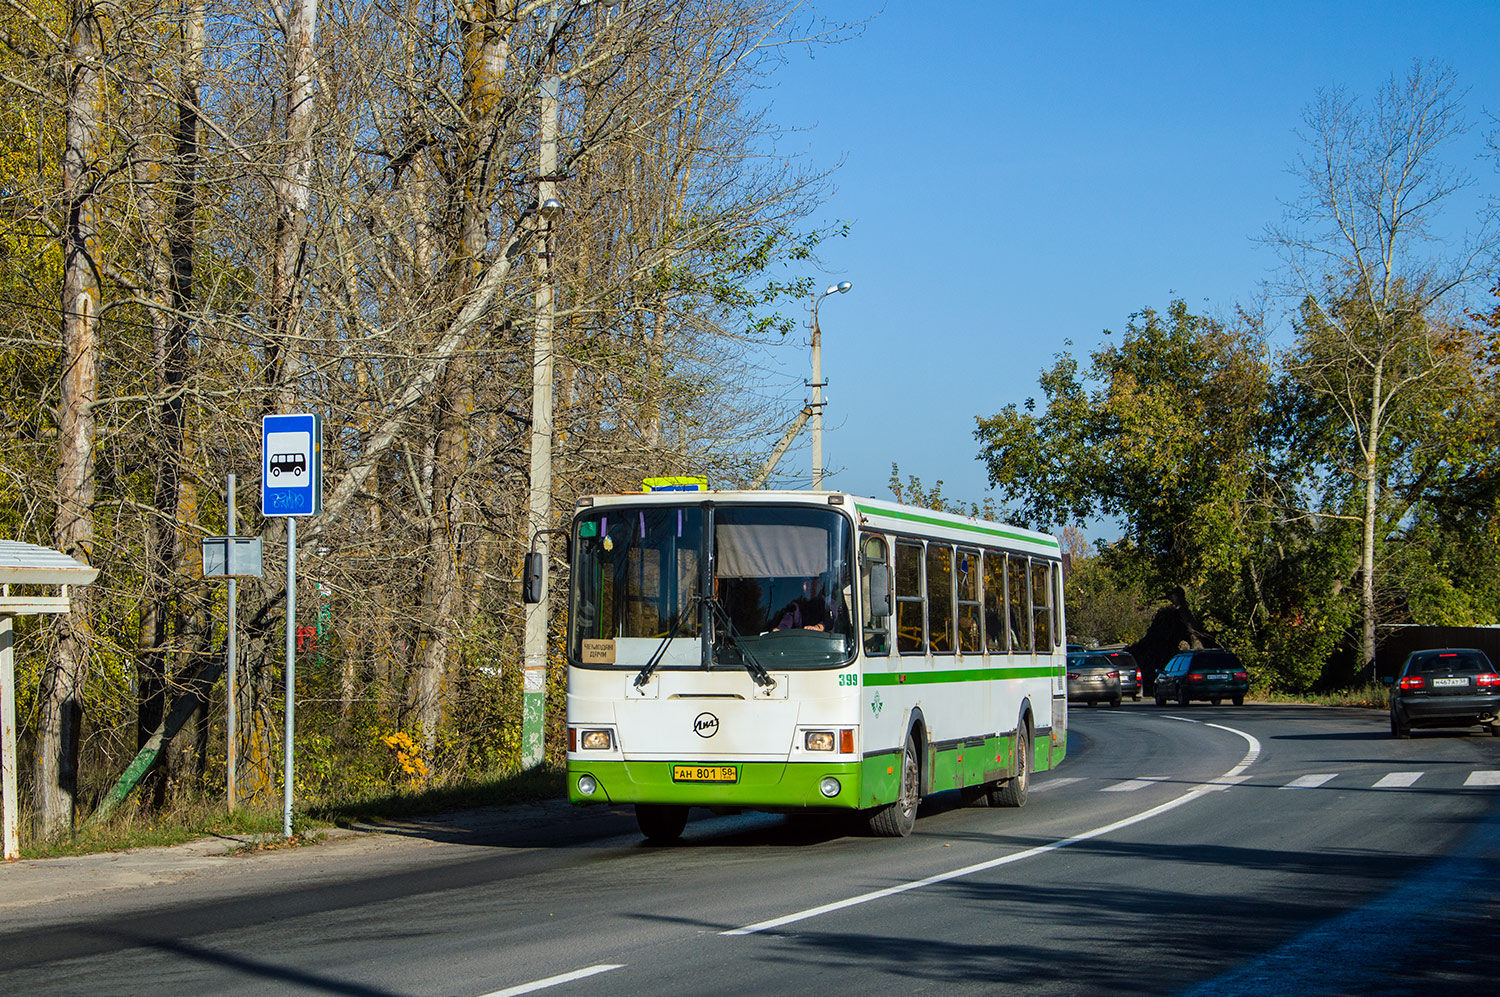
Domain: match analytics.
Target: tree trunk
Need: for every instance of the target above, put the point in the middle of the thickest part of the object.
(1367, 545)
(61, 696)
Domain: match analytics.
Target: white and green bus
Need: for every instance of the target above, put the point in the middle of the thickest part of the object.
(807, 651)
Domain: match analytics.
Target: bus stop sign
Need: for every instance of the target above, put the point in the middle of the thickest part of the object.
(291, 465)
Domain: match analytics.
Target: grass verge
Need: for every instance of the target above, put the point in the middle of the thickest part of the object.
(132, 827)
(1374, 696)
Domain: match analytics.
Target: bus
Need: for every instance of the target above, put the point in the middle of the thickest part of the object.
(807, 651)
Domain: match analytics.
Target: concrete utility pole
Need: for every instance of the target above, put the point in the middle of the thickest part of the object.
(550, 208)
(817, 384)
(231, 747)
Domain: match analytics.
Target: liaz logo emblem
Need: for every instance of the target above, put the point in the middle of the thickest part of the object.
(706, 725)
(876, 705)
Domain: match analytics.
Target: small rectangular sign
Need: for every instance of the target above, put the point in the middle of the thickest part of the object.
(216, 559)
(598, 652)
(680, 483)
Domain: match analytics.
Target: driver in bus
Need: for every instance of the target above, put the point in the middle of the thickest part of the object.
(810, 612)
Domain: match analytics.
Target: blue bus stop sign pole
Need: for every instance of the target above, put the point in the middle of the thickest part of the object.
(291, 485)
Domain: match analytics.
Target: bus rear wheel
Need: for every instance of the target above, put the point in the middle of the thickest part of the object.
(896, 820)
(661, 822)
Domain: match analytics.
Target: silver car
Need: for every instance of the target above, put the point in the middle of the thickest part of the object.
(1093, 678)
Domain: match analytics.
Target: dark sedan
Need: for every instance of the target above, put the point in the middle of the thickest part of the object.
(1448, 687)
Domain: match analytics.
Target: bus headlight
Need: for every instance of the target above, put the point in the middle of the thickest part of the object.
(596, 740)
(829, 787)
(818, 740)
(587, 786)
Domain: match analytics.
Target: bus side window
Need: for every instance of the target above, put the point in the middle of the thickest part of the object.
(994, 603)
(1020, 603)
(940, 597)
(877, 633)
(911, 628)
(1041, 607)
(966, 579)
(1059, 620)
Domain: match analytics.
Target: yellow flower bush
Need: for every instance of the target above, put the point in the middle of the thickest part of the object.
(409, 761)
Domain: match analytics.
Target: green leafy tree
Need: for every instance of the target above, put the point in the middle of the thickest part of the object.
(1162, 434)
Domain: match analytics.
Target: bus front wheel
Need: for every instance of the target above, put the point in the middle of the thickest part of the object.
(661, 822)
(1013, 791)
(896, 820)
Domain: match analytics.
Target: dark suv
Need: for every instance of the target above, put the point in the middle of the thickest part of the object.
(1209, 673)
(1451, 687)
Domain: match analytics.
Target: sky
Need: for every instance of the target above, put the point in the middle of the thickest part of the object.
(1019, 178)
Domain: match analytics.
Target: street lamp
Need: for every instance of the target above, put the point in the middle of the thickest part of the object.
(817, 384)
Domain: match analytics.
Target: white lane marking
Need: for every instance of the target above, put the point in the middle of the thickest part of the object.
(1131, 785)
(1042, 787)
(1309, 781)
(552, 981)
(1219, 784)
(1483, 777)
(1397, 780)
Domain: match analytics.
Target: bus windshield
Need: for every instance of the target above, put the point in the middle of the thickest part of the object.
(782, 579)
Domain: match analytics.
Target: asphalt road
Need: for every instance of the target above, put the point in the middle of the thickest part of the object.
(1204, 850)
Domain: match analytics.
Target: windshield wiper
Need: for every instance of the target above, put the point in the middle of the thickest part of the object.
(757, 672)
(644, 675)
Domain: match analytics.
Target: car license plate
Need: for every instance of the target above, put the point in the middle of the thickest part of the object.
(705, 773)
(1449, 683)
(1217, 677)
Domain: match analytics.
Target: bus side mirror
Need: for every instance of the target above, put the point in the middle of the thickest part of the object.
(532, 576)
(880, 591)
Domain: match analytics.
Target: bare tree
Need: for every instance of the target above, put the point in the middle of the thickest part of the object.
(1362, 254)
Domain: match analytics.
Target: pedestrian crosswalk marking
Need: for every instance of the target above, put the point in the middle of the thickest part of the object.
(1391, 780)
(1309, 781)
(1397, 780)
(1130, 785)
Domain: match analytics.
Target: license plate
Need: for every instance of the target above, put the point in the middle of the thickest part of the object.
(1217, 677)
(705, 773)
(1449, 683)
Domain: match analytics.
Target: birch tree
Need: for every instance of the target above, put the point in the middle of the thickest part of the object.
(1363, 255)
(61, 703)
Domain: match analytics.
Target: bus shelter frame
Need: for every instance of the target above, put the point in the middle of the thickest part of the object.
(34, 580)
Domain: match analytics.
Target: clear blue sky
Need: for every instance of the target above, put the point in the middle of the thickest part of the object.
(1019, 176)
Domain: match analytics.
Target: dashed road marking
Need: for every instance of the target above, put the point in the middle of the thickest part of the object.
(552, 981)
(1131, 785)
(1397, 780)
(1483, 777)
(1310, 781)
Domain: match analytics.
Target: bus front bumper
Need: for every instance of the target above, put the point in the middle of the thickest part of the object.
(775, 786)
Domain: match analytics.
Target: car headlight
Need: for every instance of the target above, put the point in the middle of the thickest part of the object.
(596, 740)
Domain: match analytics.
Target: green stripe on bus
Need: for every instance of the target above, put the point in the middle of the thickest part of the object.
(970, 527)
(958, 675)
